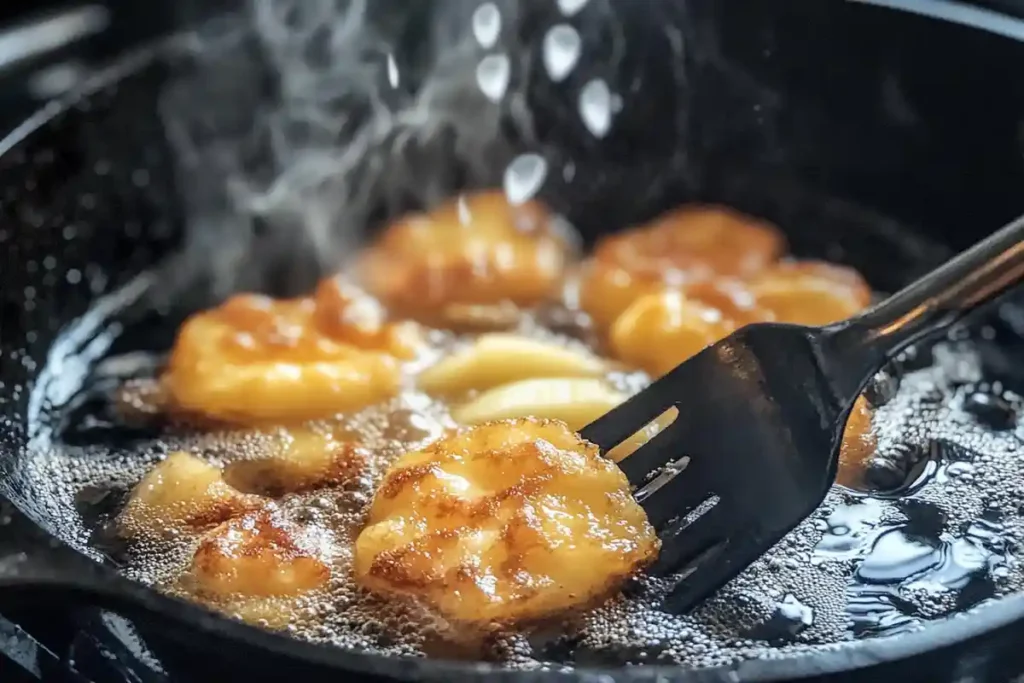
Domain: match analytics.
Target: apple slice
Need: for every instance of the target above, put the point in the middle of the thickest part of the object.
(497, 359)
(576, 401)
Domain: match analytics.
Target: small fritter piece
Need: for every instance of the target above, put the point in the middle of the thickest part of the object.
(181, 493)
(256, 359)
(258, 555)
(659, 331)
(298, 459)
(496, 359)
(690, 246)
(509, 522)
(859, 445)
(811, 292)
(475, 249)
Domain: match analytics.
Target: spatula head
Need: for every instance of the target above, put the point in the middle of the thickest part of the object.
(757, 441)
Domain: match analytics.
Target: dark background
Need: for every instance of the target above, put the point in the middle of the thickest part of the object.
(131, 22)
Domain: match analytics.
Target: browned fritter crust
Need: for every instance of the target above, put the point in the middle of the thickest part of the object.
(256, 555)
(504, 523)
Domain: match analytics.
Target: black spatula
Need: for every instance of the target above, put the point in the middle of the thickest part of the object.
(756, 444)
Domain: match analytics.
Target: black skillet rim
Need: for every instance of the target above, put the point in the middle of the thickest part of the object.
(986, 621)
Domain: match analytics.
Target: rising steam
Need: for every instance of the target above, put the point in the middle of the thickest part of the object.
(304, 122)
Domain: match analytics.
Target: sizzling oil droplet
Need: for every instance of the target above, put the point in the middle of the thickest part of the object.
(524, 177)
(595, 107)
(570, 7)
(393, 76)
(492, 76)
(487, 25)
(561, 51)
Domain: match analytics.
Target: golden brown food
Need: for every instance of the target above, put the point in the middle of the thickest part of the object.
(811, 292)
(734, 299)
(859, 444)
(504, 523)
(476, 249)
(346, 314)
(255, 359)
(258, 555)
(298, 459)
(179, 493)
(683, 248)
(659, 331)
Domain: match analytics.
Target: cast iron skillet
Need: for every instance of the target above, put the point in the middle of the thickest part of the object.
(867, 122)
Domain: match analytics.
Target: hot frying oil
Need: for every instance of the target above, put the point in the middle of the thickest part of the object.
(934, 532)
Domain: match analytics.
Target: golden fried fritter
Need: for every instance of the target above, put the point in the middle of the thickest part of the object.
(683, 248)
(182, 492)
(811, 292)
(257, 555)
(507, 522)
(659, 331)
(255, 359)
(347, 314)
(475, 249)
(733, 298)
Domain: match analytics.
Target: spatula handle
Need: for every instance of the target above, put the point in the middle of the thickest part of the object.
(862, 345)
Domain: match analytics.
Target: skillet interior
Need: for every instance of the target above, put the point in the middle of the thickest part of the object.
(76, 202)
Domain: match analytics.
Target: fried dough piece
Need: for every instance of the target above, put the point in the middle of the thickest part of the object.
(298, 459)
(659, 331)
(733, 298)
(508, 522)
(811, 292)
(683, 248)
(256, 360)
(257, 555)
(180, 493)
(477, 249)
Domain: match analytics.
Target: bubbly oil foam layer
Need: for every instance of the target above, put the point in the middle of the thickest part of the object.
(941, 541)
